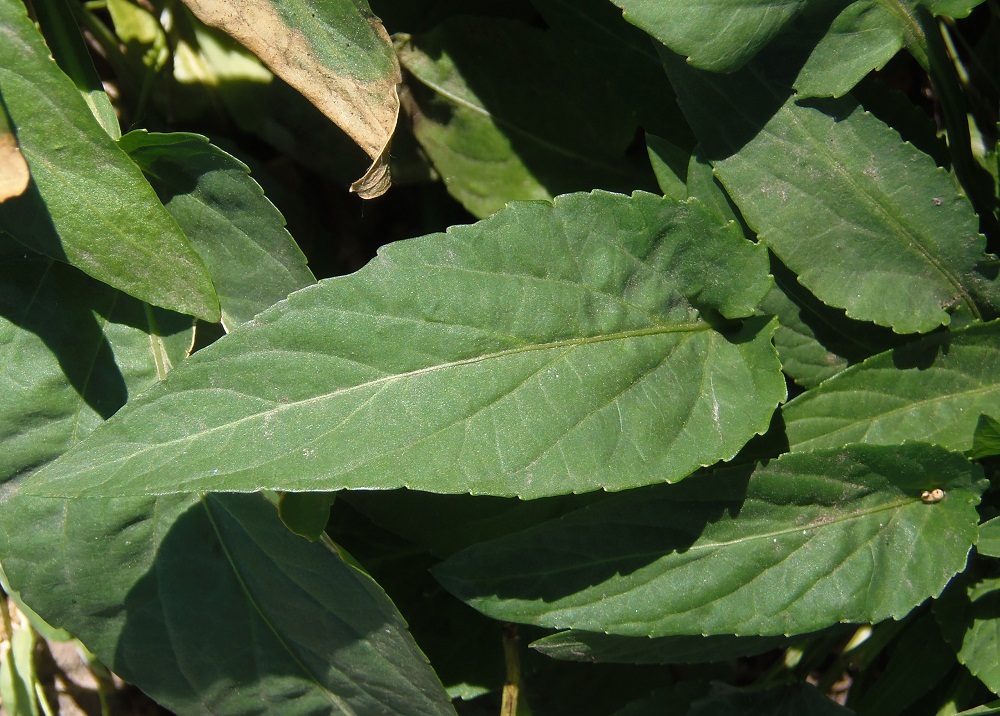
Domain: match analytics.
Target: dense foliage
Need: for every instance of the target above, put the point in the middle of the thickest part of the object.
(685, 399)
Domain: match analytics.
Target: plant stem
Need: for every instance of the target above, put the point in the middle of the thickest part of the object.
(512, 658)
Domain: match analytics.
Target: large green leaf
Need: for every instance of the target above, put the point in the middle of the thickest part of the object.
(865, 221)
(212, 606)
(511, 113)
(154, 585)
(238, 232)
(810, 540)
(933, 389)
(552, 348)
(336, 53)
(88, 203)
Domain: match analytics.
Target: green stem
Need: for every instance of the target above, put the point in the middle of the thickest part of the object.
(512, 659)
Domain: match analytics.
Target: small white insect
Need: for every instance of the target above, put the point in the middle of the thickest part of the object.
(932, 496)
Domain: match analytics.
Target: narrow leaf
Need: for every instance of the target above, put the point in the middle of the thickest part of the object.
(212, 606)
(865, 221)
(552, 348)
(576, 645)
(62, 32)
(336, 53)
(810, 540)
(253, 261)
(88, 204)
(513, 114)
(933, 389)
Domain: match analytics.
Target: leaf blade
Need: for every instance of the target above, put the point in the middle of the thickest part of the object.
(514, 345)
(808, 541)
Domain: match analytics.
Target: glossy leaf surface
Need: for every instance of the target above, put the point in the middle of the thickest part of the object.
(88, 204)
(933, 389)
(538, 352)
(810, 540)
(865, 221)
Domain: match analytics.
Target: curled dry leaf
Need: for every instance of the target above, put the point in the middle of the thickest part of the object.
(14, 173)
(337, 54)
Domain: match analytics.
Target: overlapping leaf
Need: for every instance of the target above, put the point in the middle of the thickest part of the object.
(88, 204)
(847, 38)
(240, 235)
(810, 540)
(933, 389)
(157, 600)
(576, 645)
(547, 350)
(513, 114)
(968, 618)
(212, 606)
(865, 221)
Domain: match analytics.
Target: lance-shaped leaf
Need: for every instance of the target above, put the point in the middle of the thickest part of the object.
(810, 540)
(934, 389)
(336, 53)
(549, 349)
(88, 203)
(238, 232)
(574, 645)
(511, 113)
(867, 222)
(154, 585)
(211, 606)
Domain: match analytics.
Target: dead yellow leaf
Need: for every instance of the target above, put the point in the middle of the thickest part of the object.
(14, 175)
(365, 108)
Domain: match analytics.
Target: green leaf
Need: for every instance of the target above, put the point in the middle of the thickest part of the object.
(986, 439)
(512, 114)
(552, 348)
(17, 674)
(933, 389)
(799, 699)
(990, 709)
(815, 341)
(62, 32)
(673, 700)
(74, 350)
(989, 538)
(670, 164)
(717, 35)
(865, 221)
(576, 645)
(306, 513)
(968, 618)
(238, 233)
(88, 204)
(212, 606)
(336, 53)
(810, 540)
